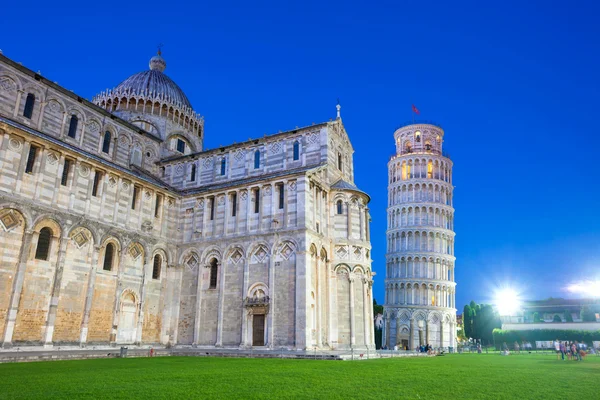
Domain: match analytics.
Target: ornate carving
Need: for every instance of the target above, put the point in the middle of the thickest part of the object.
(341, 252)
(292, 185)
(244, 194)
(52, 158)
(93, 126)
(236, 256)
(9, 220)
(275, 148)
(221, 200)
(84, 170)
(80, 238)
(207, 163)
(125, 186)
(15, 144)
(135, 251)
(260, 254)
(147, 226)
(239, 155)
(192, 261)
(112, 181)
(7, 84)
(54, 106)
(287, 251)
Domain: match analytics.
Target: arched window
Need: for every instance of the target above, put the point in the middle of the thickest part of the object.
(29, 103)
(73, 126)
(109, 254)
(257, 159)
(223, 165)
(193, 173)
(340, 161)
(106, 142)
(156, 267)
(43, 246)
(180, 146)
(339, 207)
(213, 273)
(417, 136)
(136, 157)
(296, 150)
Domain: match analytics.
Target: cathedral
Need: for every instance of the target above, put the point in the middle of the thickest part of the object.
(118, 227)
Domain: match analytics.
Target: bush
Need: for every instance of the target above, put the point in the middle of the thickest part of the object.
(533, 335)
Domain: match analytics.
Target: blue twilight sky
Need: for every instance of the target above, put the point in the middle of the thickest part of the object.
(515, 86)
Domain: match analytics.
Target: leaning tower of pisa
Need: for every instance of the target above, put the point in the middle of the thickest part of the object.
(420, 288)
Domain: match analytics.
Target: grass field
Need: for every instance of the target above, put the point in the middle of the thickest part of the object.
(459, 376)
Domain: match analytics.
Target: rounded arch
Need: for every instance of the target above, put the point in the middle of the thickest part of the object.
(342, 268)
(210, 253)
(45, 221)
(253, 289)
(24, 213)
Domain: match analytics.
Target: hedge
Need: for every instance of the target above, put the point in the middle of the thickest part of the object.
(533, 335)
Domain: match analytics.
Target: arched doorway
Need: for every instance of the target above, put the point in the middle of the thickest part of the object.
(127, 319)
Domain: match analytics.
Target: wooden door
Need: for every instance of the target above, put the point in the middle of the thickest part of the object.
(258, 330)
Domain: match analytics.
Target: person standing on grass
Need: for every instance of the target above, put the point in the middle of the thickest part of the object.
(557, 348)
(517, 349)
(574, 351)
(562, 350)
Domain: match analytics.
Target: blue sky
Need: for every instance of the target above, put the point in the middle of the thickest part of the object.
(515, 86)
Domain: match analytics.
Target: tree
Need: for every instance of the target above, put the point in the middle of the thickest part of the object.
(467, 321)
(479, 321)
(536, 317)
(377, 308)
(587, 314)
(557, 318)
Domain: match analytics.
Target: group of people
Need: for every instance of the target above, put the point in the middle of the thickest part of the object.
(573, 350)
(524, 346)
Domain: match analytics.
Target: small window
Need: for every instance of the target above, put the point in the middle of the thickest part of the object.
(157, 206)
(97, 180)
(281, 195)
(106, 142)
(233, 204)
(156, 267)
(31, 159)
(212, 208)
(193, 173)
(134, 197)
(223, 166)
(108, 257)
(73, 126)
(43, 246)
(180, 146)
(339, 207)
(29, 103)
(340, 161)
(214, 269)
(296, 150)
(65, 172)
(257, 159)
(417, 136)
(256, 200)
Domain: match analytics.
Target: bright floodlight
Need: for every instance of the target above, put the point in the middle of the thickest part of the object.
(507, 302)
(586, 288)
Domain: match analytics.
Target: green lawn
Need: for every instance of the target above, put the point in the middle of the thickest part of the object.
(459, 376)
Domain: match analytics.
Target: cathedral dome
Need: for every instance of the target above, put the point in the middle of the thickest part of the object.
(154, 83)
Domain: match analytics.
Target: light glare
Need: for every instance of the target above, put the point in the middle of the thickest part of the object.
(507, 302)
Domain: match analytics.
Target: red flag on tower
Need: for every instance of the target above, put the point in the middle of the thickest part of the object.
(415, 109)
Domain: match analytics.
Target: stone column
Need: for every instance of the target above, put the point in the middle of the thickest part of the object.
(411, 334)
(198, 316)
(367, 228)
(372, 316)
(145, 279)
(352, 313)
(302, 334)
(427, 331)
(366, 313)
(220, 305)
(15, 297)
(89, 296)
(442, 333)
(18, 103)
(385, 334)
(244, 342)
(272, 299)
(349, 220)
(55, 294)
(121, 267)
(361, 218)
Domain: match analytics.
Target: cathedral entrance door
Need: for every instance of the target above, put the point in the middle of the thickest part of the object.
(127, 326)
(258, 330)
